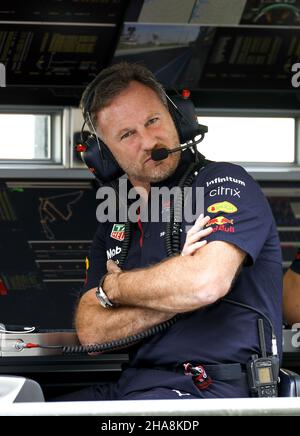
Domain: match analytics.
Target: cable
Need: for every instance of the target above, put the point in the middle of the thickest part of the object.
(253, 309)
(246, 306)
(20, 345)
(121, 343)
(172, 238)
(173, 247)
(172, 241)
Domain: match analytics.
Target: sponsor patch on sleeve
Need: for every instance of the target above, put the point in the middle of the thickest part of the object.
(224, 206)
(221, 224)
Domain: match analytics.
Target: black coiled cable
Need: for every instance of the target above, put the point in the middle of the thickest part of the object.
(173, 247)
(120, 343)
(125, 244)
(172, 238)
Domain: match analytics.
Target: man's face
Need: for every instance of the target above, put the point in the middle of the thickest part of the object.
(132, 125)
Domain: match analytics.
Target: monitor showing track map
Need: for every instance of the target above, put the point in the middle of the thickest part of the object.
(45, 234)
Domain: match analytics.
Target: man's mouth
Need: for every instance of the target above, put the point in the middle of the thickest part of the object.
(147, 160)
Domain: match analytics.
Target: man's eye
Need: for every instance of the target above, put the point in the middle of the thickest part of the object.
(152, 121)
(126, 135)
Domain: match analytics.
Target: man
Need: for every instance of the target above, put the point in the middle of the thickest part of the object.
(130, 114)
(291, 292)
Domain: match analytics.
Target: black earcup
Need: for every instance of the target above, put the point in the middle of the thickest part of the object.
(184, 117)
(103, 165)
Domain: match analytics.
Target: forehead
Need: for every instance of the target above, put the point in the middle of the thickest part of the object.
(137, 100)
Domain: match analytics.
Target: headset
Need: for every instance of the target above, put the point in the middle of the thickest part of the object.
(96, 154)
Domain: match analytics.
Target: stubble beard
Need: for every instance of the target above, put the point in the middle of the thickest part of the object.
(157, 173)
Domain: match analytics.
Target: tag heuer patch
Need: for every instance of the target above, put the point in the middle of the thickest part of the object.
(118, 232)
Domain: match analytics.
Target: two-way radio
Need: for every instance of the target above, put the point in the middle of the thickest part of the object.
(263, 371)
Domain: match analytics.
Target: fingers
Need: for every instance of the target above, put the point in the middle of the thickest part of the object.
(194, 237)
(188, 251)
(199, 235)
(112, 267)
(199, 224)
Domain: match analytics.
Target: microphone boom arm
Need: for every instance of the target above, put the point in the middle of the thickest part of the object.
(163, 153)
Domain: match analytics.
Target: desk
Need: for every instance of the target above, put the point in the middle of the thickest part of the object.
(58, 374)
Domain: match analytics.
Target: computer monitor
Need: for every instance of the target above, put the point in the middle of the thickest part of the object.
(45, 234)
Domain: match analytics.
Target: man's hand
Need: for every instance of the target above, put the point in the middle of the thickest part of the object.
(110, 284)
(112, 267)
(192, 244)
(193, 236)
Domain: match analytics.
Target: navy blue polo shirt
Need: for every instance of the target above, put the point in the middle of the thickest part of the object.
(295, 266)
(221, 332)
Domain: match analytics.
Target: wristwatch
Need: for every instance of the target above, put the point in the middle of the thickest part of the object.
(101, 295)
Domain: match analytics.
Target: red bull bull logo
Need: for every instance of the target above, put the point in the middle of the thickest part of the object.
(221, 224)
(219, 220)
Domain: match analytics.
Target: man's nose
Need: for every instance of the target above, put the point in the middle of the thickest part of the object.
(148, 140)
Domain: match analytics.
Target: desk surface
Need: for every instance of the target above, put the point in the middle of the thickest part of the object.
(29, 361)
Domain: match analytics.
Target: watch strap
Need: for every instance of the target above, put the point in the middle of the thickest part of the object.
(101, 295)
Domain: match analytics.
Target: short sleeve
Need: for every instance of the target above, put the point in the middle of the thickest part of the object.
(296, 263)
(239, 212)
(96, 261)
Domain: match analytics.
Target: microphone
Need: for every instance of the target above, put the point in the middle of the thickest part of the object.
(163, 153)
